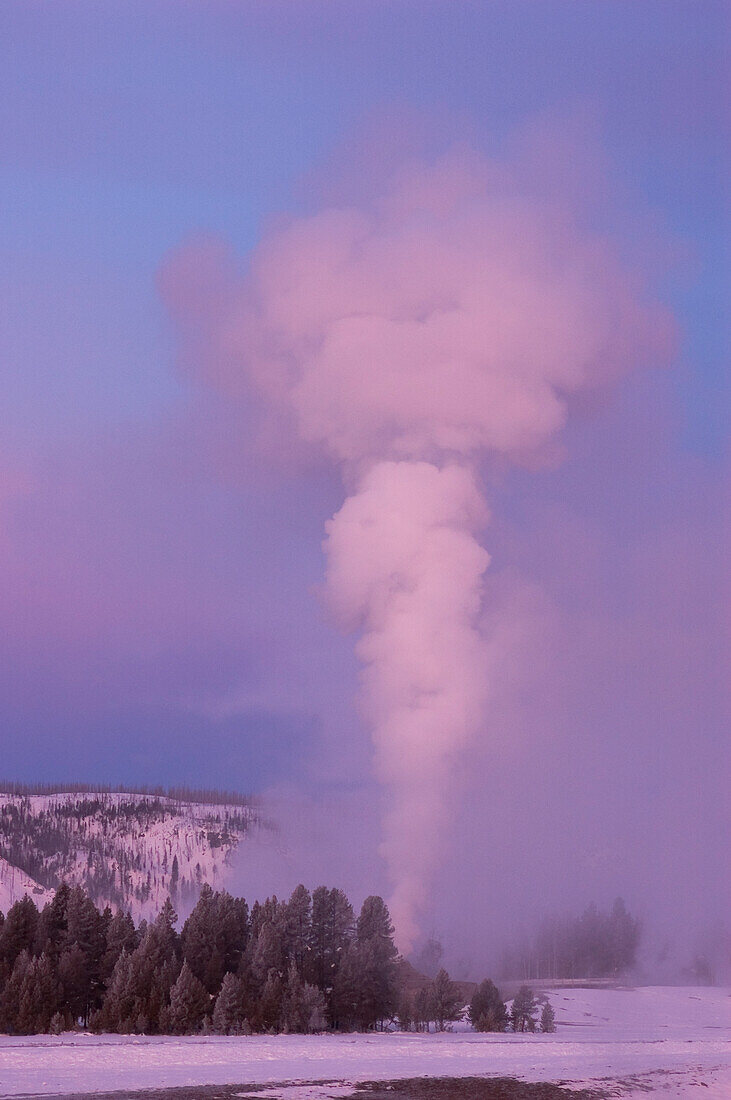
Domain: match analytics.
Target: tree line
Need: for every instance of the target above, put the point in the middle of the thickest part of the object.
(212, 796)
(301, 965)
(304, 965)
(596, 944)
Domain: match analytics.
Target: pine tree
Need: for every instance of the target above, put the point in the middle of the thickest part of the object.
(263, 913)
(165, 922)
(174, 877)
(331, 932)
(197, 937)
(215, 936)
(121, 935)
(294, 1015)
(154, 968)
(38, 997)
(75, 984)
(344, 998)
(118, 1010)
(314, 1009)
(251, 988)
(85, 946)
(228, 1011)
(445, 1000)
(297, 921)
(376, 958)
(188, 1006)
(52, 923)
(524, 1008)
(548, 1018)
(405, 1011)
(18, 934)
(59, 1023)
(487, 1011)
(423, 1009)
(270, 1004)
(269, 950)
(10, 995)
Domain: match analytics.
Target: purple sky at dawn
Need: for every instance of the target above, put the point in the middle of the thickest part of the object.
(161, 553)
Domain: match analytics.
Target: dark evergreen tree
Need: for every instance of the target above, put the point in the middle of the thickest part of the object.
(10, 995)
(423, 1009)
(39, 996)
(19, 933)
(189, 1003)
(76, 988)
(487, 1011)
(269, 953)
(214, 936)
(263, 913)
(294, 1007)
(99, 968)
(84, 950)
(405, 1011)
(375, 956)
(52, 923)
(121, 935)
(297, 928)
(314, 1009)
(154, 968)
(524, 1009)
(548, 1018)
(174, 878)
(118, 1010)
(445, 1000)
(269, 1014)
(228, 1014)
(331, 932)
(197, 937)
(344, 1005)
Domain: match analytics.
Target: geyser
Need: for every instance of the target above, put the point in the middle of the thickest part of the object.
(447, 319)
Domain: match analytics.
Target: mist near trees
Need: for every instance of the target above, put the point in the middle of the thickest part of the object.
(305, 964)
(595, 945)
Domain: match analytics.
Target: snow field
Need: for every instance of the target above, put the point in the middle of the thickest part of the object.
(680, 1037)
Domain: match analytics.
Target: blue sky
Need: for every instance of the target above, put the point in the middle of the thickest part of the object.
(130, 128)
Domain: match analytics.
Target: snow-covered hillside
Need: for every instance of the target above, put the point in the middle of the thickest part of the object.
(655, 1043)
(128, 850)
(14, 883)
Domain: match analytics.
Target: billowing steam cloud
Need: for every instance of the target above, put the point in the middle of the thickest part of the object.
(404, 565)
(450, 319)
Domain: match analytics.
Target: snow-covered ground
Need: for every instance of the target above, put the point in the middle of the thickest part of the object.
(676, 1041)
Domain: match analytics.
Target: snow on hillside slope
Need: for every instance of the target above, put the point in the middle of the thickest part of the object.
(655, 1043)
(127, 850)
(14, 883)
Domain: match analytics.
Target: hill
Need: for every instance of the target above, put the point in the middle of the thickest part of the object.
(129, 849)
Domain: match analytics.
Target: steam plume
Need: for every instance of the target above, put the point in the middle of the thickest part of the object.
(452, 317)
